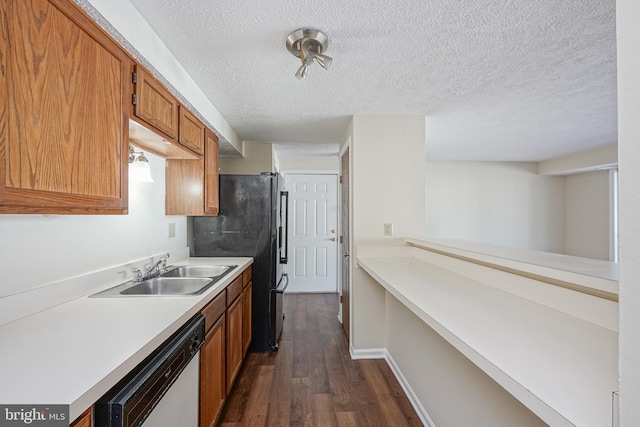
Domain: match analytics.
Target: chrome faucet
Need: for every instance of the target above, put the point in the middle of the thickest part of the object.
(157, 268)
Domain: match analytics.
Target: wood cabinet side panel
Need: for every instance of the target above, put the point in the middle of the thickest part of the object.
(211, 174)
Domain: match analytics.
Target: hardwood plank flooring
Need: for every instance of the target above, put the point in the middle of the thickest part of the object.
(312, 381)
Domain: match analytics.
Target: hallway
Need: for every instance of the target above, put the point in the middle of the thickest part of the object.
(312, 381)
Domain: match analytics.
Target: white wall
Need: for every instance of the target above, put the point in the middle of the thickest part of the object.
(587, 215)
(453, 390)
(500, 203)
(258, 157)
(310, 164)
(39, 249)
(628, 37)
(387, 177)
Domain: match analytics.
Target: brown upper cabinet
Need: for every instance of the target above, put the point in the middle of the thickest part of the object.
(191, 131)
(64, 90)
(159, 124)
(192, 185)
(154, 104)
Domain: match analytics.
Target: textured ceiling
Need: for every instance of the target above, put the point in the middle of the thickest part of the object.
(508, 80)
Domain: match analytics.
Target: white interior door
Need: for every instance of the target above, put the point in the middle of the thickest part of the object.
(313, 222)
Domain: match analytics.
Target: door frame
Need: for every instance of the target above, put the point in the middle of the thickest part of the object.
(343, 150)
(284, 174)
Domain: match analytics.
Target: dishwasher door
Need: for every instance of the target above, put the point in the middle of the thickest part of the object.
(179, 405)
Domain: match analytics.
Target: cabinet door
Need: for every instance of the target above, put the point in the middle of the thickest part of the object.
(63, 122)
(192, 185)
(211, 176)
(83, 420)
(234, 341)
(184, 186)
(191, 131)
(154, 104)
(212, 375)
(246, 312)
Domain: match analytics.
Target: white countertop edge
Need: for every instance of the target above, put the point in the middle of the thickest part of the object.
(602, 282)
(541, 408)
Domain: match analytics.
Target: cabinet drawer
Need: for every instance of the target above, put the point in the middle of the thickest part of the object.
(214, 310)
(246, 277)
(234, 290)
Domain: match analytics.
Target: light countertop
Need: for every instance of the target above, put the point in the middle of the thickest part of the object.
(561, 367)
(75, 352)
(594, 276)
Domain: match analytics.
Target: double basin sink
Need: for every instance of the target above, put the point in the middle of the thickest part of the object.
(184, 280)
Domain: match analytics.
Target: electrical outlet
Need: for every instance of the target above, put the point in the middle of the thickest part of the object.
(172, 229)
(388, 229)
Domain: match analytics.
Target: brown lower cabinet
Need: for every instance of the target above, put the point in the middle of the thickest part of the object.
(235, 345)
(246, 313)
(228, 334)
(213, 391)
(83, 420)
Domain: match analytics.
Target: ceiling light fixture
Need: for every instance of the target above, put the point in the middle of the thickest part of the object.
(309, 44)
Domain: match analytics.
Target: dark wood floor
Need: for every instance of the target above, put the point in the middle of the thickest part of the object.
(312, 381)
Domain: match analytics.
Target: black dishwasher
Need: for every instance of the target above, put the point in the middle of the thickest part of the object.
(131, 401)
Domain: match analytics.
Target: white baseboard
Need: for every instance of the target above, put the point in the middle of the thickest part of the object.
(368, 353)
(417, 405)
(382, 353)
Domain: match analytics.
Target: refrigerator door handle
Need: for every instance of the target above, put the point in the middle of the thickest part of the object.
(281, 291)
(284, 205)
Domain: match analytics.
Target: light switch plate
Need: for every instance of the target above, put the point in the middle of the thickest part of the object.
(172, 229)
(388, 229)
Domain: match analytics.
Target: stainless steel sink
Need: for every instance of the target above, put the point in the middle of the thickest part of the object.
(185, 280)
(213, 271)
(169, 286)
(160, 286)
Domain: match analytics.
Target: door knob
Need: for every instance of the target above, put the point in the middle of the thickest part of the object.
(333, 231)
(333, 239)
(346, 254)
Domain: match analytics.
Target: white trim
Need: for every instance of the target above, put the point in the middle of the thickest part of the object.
(343, 150)
(310, 172)
(411, 395)
(368, 353)
(613, 215)
(383, 353)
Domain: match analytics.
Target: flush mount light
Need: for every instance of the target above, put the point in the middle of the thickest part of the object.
(309, 44)
(139, 170)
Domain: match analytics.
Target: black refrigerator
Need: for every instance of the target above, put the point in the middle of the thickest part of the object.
(252, 222)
